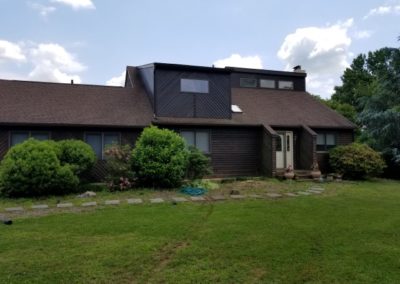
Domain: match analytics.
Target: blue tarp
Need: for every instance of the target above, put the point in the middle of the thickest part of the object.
(193, 191)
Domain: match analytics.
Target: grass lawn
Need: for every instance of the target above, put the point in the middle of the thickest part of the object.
(350, 234)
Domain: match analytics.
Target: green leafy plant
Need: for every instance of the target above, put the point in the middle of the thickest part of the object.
(356, 161)
(198, 164)
(159, 158)
(119, 172)
(33, 169)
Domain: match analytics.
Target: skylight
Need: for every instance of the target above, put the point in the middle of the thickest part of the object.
(236, 109)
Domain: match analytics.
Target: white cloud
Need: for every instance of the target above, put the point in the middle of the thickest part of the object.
(44, 11)
(77, 4)
(383, 10)
(363, 34)
(321, 51)
(236, 60)
(117, 81)
(53, 63)
(10, 51)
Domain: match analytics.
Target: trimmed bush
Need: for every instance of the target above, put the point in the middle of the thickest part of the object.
(198, 164)
(33, 169)
(159, 158)
(119, 172)
(79, 155)
(356, 161)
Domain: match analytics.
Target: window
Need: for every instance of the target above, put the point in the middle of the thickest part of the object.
(286, 85)
(279, 144)
(248, 82)
(20, 136)
(269, 84)
(199, 139)
(325, 141)
(99, 141)
(194, 86)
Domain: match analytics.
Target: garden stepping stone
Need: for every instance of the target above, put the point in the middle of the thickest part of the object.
(255, 196)
(218, 197)
(40, 206)
(274, 195)
(197, 198)
(111, 202)
(14, 209)
(179, 199)
(238, 196)
(88, 204)
(291, 194)
(303, 193)
(156, 200)
(317, 188)
(314, 191)
(64, 205)
(134, 201)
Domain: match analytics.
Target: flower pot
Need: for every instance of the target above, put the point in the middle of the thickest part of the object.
(289, 175)
(315, 174)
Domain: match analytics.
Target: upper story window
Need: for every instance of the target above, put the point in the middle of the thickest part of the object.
(100, 140)
(325, 141)
(194, 86)
(269, 84)
(198, 138)
(20, 136)
(288, 85)
(248, 82)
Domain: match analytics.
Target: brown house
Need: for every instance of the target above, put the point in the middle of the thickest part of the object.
(249, 121)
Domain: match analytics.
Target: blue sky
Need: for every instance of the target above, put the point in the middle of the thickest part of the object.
(92, 41)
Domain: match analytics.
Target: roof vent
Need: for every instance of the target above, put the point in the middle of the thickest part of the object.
(298, 69)
(236, 109)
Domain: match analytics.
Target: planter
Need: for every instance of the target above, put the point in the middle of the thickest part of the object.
(289, 175)
(315, 174)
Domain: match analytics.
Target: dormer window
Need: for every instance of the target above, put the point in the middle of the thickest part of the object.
(268, 84)
(287, 85)
(194, 86)
(236, 109)
(248, 82)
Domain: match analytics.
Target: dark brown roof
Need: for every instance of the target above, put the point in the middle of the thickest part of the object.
(274, 108)
(23, 102)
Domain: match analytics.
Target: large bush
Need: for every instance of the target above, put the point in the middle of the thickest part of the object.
(32, 168)
(356, 161)
(119, 173)
(198, 164)
(159, 158)
(79, 155)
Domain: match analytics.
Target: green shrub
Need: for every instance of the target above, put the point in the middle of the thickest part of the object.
(119, 173)
(159, 158)
(33, 169)
(79, 155)
(198, 164)
(356, 161)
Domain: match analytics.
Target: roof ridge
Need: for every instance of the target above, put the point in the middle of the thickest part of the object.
(60, 84)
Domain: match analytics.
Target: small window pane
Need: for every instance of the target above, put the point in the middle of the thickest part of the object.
(286, 85)
(279, 144)
(19, 137)
(330, 139)
(320, 139)
(270, 84)
(40, 135)
(203, 141)
(288, 143)
(111, 139)
(194, 86)
(248, 82)
(94, 140)
(189, 137)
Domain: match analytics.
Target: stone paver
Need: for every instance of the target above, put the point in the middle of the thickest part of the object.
(156, 200)
(314, 191)
(134, 201)
(218, 197)
(64, 205)
(317, 188)
(274, 195)
(238, 196)
(179, 199)
(14, 209)
(290, 194)
(256, 196)
(112, 202)
(40, 206)
(303, 193)
(197, 198)
(88, 204)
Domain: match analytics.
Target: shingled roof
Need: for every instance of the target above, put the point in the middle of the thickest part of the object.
(39, 103)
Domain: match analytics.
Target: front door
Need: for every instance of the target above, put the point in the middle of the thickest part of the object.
(284, 150)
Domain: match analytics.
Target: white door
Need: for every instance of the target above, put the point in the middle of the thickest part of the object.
(284, 150)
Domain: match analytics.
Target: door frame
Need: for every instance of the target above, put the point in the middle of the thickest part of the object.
(284, 148)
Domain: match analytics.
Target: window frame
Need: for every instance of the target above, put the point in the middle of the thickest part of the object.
(192, 92)
(29, 132)
(272, 80)
(285, 81)
(102, 134)
(195, 138)
(325, 146)
(248, 78)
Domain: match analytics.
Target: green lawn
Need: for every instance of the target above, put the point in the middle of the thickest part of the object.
(350, 234)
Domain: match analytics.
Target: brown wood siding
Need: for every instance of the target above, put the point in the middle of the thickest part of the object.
(170, 102)
(236, 151)
(307, 149)
(4, 142)
(268, 154)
